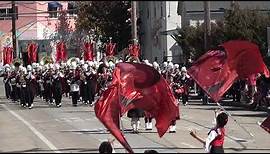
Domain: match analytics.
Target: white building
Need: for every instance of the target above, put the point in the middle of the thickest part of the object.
(159, 20)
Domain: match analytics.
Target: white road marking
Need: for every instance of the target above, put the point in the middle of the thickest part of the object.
(33, 129)
(189, 145)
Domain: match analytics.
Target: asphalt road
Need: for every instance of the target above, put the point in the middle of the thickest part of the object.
(46, 128)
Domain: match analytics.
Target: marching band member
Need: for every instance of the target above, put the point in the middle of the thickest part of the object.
(30, 87)
(74, 84)
(57, 86)
(22, 82)
(6, 81)
(48, 79)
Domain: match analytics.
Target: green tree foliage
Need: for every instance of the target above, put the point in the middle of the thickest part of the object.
(63, 27)
(106, 19)
(238, 24)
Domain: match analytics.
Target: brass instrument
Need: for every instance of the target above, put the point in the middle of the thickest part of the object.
(17, 62)
(22, 80)
(46, 60)
(82, 77)
(72, 59)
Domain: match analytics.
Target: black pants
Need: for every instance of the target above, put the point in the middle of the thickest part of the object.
(23, 97)
(48, 94)
(7, 90)
(216, 150)
(146, 120)
(75, 97)
(29, 96)
(184, 98)
(14, 93)
(173, 123)
(57, 94)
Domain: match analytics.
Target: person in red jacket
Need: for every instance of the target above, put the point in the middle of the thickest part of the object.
(215, 140)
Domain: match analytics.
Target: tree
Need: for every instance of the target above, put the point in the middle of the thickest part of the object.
(106, 19)
(63, 27)
(243, 24)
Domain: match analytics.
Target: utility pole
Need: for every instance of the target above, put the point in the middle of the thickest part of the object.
(14, 41)
(207, 25)
(134, 20)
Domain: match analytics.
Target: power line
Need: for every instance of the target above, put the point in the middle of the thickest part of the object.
(42, 12)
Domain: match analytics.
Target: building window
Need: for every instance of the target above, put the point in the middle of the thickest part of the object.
(72, 9)
(53, 7)
(161, 10)
(155, 11)
(6, 13)
(148, 13)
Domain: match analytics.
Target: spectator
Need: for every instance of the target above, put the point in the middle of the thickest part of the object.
(105, 147)
(215, 140)
(150, 151)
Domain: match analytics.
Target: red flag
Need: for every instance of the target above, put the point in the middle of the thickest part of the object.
(61, 53)
(88, 51)
(245, 58)
(212, 73)
(108, 110)
(110, 49)
(8, 55)
(266, 124)
(134, 50)
(142, 87)
(34, 53)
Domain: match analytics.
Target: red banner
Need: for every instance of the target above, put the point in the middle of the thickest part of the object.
(245, 58)
(110, 49)
(7, 55)
(137, 86)
(212, 73)
(32, 53)
(61, 52)
(88, 51)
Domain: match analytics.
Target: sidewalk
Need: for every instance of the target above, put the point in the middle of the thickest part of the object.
(229, 102)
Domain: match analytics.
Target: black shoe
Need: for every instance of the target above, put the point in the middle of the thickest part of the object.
(75, 105)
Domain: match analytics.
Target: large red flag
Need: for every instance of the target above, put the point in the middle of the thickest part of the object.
(245, 58)
(212, 73)
(108, 110)
(266, 124)
(32, 53)
(88, 51)
(110, 49)
(142, 87)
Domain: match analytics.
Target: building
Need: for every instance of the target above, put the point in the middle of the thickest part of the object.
(192, 12)
(34, 22)
(159, 20)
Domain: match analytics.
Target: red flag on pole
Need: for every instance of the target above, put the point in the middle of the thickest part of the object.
(266, 124)
(134, 50)
(7, 55)
(34, 53)
(110, 49)
(212, 74)
(88, 51)
(61, 53)
(245, 58)
(142, 87)
(108, 111)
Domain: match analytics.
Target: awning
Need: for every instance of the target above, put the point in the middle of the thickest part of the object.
(54, 5)
(170, 32)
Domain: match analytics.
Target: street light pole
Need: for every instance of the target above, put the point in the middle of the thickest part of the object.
(14, 41)
(207, 25)
(133, 20)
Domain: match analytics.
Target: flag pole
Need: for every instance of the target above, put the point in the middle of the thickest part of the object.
(235, 120)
